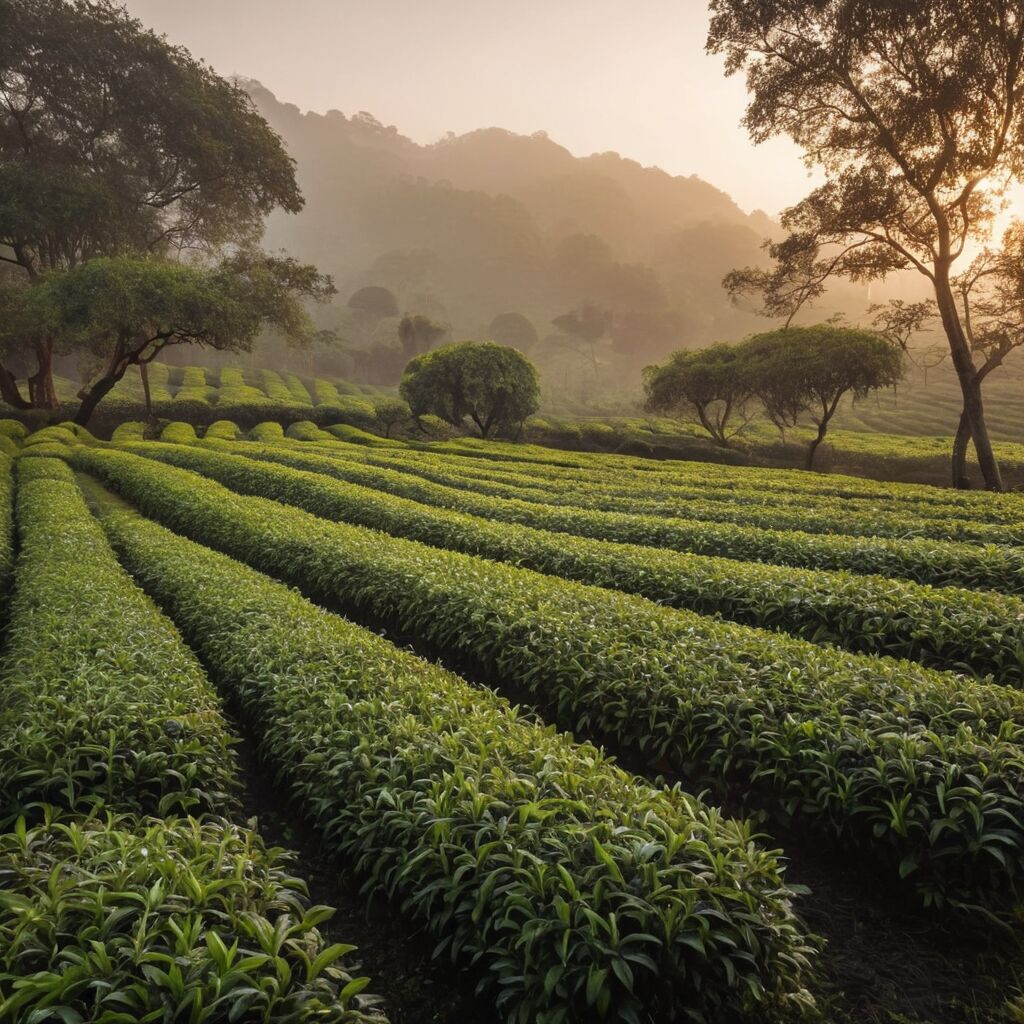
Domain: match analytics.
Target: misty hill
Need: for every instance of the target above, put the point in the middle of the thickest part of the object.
(491, 222)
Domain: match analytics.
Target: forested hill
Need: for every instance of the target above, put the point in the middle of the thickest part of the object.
(491, 222)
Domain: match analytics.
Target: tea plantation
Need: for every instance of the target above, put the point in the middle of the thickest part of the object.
(621, 740)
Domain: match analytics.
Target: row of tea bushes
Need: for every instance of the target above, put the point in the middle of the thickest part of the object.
(545, 461)
(980, 633)
(108, 913)
(922, 771)
(744, 508)
(586, 894)
(939, 563)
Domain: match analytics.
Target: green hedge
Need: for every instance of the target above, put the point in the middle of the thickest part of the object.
(939, 563)
(103, 705)
(922, 771)
(106, 715)
(585, 893)
(743, 507)
(178, 433)
(947, 628)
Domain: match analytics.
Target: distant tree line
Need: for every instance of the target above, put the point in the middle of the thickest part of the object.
(790, 374)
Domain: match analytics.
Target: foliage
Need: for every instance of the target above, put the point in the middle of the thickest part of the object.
(103, 706)
(913, 111)
(178, 432)
(919, 771)
(585, 893)
(976, 632)
(808, 370)
(514, 330)
(128, 309)
(418, 334)
(116, 919)
(713, 384)
(495, 386)
(186, 161)
(716, 530)
(390, 413)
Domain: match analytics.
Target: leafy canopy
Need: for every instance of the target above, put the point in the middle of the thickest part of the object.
(495, 386)
(711, 384)
(113, 140)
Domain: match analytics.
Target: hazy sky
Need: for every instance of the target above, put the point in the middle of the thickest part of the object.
(595, 74)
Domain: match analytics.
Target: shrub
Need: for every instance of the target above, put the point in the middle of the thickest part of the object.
(584, 892)
(115, 919)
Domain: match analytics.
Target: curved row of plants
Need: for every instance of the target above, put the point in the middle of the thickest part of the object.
(980, 633)
(747, 507)
(108, 912)
(920, 770)
(939, 563)
(585, 893)
(541, 461)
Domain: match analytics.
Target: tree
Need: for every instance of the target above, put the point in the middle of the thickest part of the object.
(800, 370)
(390, 412)
(127, 310)
(637, 334)
(513, 329)
(584, 328)
(375, 300)
(916, 113)
(113, 141)
(494, 385)
(712, 384)
(418, 334)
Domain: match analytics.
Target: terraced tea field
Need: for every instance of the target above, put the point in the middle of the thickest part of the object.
(622, 740)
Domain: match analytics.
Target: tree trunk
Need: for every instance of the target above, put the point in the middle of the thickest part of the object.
(9, 390)
(967, 375)
(963, 435)
(144, 374)
(812, 450)
(93, 397)
(41, 392)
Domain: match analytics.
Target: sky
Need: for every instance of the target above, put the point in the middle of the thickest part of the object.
(596, 75)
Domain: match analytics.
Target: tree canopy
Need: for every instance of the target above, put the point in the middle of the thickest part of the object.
(916, 113)
(494, 385)
(713, 384)
(793, 373)
(799, 371)
(115, 142)
(126, 310)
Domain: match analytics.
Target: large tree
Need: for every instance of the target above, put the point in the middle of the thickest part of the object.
(915, 111)
(127, 310)
(494, 385)
(114, 142)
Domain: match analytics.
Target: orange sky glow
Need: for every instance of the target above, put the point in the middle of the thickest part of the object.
(595, 75)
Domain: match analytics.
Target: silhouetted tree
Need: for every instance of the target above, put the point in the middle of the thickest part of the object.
(916, 113)
(584, 328)
(375, 300)
(494, 385)
(418, 334)
(513, 329)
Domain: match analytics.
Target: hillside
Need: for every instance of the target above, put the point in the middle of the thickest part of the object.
(492, 222)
